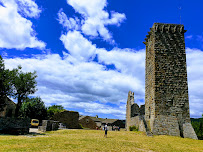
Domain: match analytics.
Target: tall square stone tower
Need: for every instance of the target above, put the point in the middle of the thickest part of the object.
(166, 87)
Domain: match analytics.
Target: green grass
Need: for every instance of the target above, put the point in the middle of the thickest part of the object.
(93, 140)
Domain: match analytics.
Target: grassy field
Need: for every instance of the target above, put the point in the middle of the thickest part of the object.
(93, 140)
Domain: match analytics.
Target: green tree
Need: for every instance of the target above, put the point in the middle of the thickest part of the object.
(24, 84)
(5, 83)
(33, 108)
(54, 109)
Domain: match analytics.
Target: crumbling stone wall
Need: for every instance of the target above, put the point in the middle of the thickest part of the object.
(87, 122)
(134, 113)
(166, 88)
(130, 101)
(49, 125)
(69, 118)
(135, 110)
(9, 109)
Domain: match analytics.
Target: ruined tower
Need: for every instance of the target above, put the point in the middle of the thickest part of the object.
(130, 102)
(166, 88)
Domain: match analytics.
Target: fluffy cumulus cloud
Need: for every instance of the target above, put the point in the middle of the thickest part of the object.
(28, 8)
(68, 23)
(79, 47)
(77, 83)
(15, 30)
(195, 78)
(91, 86)
(95, 18)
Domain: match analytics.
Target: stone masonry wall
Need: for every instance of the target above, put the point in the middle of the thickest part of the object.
(69, 118)
(134, 114)
(130, 101)
(166, 88)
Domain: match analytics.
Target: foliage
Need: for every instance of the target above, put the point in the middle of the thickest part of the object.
(93, 140)
(133, 128)
(17, 84)
(5, 83)
(33, 108)
(24, 84)
(198, 127)
(54, 109)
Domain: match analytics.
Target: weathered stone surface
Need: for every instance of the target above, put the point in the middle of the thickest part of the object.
(166, 88)
(188, 131)
(134, 113)
(42, 128)
(87, 122)
(8, 107)
(130, 101)
(69, 118)
(49, 125)
(166, 125)
(135, 110)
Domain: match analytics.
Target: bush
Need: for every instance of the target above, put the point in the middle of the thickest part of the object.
(198, 127)
(133, 128)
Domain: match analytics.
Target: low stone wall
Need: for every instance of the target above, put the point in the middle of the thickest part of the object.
(138, 121)
(49, 125)
(14, 126)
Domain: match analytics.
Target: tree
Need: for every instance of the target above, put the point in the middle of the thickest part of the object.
(54, 109)
(24, 84)
(33, 108)
(5, 84)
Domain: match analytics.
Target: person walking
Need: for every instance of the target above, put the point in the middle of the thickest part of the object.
(105, 129)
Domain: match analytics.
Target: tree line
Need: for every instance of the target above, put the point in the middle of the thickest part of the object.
(19, 85)
(198, 127)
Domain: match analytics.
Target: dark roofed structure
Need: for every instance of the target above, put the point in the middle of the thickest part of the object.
(9, 109)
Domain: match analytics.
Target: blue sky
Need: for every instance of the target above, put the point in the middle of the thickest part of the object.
(89, 53)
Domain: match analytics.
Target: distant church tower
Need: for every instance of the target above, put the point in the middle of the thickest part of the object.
(166, 87)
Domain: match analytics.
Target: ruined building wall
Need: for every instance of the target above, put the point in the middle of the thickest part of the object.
(134, 114)
(166, 88)
(130, 101)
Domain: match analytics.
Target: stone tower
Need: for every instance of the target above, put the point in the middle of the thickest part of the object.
(130, 102)
(166, 88)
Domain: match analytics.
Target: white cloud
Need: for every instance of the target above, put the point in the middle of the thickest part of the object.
(195, 80)
(4, 54)
(62, 81)
(28, 8)
(78, 46)
(90, 86)
(15, 30)
(126, 60)
(96, 18)
(189, 37)
(68, 23)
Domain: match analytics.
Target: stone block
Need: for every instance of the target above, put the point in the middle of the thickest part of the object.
(188, 131)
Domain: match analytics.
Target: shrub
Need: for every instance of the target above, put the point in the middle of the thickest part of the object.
(133, 128)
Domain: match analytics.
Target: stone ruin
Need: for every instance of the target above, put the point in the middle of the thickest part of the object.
(49, 125)
(166, 88)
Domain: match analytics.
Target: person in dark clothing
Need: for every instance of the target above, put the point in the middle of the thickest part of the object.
(105, 129)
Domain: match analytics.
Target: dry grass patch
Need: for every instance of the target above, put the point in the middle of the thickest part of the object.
(93, 140)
